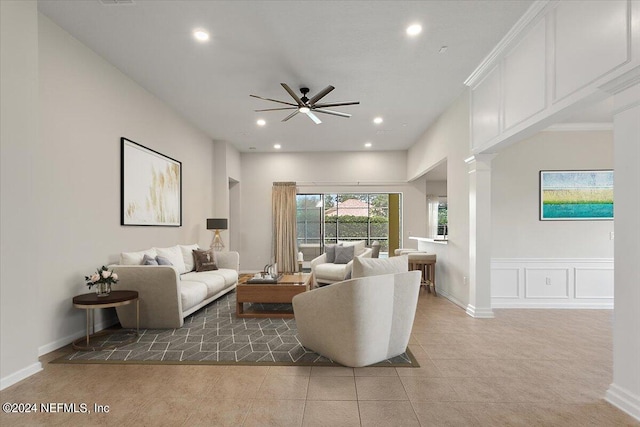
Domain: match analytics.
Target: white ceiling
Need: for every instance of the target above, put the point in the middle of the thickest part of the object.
(360, 47)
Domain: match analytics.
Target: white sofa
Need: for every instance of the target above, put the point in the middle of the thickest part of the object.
(168, 294)
(325, 273)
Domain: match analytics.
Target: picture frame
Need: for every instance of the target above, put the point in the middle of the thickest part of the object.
(150, 187)
(576, 195)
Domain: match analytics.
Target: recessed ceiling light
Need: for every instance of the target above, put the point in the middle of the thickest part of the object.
(261, 122)
(252, 148)
(414, 30)
(277, 146)
(377, 120)
(201, 35)
(443, 49)
(367, 144)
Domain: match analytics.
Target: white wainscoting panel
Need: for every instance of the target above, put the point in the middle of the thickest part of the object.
(546, 282)
(582, 55)
(525, 77)
(594, 283)
(485, 104)
(552, 283)
(505, 283)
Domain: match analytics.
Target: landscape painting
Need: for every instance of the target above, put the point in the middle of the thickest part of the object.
(576, 195)
(151, 187)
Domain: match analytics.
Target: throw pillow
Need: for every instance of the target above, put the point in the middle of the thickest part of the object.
(359, 246)
(330, 251)
(173, 254)
(135, 258)
(204, 260)
(364, 267)
(187, 256)
(162, 260)
(344, 254)
(147, 260)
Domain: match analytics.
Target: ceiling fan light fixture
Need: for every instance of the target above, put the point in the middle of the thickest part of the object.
(304, 110)
(414, 29)
(201, 35)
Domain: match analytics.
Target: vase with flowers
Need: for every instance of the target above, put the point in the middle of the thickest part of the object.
(103, 278)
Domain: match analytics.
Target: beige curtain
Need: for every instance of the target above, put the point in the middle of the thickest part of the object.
(285, 247)
(432, 215)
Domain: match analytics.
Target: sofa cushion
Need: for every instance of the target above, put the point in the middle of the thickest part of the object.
(359, 246)
(187, 256)
(135, 258)
(334, 272)
(160, 260)
(330, 252)
(344, 254)
(230, 276)
(173, 254)
(205, 260)
(364, 267)
(192, 293)
(214, 282)
(148, 260)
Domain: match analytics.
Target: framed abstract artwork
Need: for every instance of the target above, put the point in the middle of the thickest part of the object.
(151, 187)
(576, 195)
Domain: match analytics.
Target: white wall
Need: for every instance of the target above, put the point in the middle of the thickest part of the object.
(319, 172)
(448, 138)
(19, 288)
(86, 105)
(517, 230)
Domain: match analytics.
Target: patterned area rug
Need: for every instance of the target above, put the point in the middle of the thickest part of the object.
(213, 335)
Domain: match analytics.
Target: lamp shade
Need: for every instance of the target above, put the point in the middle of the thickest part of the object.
(217, 224)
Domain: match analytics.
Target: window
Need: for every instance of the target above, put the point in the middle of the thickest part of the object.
(327, 218)
(443, 226)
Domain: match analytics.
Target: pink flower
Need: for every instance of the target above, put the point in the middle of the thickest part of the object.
(95, 277)
(106, 273)
(115, 276)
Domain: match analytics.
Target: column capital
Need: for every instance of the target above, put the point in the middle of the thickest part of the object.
(479, 162)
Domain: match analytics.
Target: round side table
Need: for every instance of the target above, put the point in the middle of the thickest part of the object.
(91, 301)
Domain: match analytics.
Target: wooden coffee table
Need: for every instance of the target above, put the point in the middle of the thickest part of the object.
(281, 292)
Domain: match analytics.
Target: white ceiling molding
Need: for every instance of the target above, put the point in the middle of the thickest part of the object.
(520, 28)
(579, 127)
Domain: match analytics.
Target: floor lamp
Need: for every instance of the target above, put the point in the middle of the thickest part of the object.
(217, 224)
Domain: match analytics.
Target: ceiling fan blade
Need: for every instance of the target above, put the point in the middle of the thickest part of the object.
(273, 100)
(292, 93)
(291, 115)
(333, 113)
(277, 109)
(321, 94)
(337, 104)
(313, 117)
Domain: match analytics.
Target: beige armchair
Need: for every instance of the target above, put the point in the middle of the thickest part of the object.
(361, 321)
(325, 273)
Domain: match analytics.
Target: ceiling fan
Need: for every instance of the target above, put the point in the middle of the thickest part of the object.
(308, 106)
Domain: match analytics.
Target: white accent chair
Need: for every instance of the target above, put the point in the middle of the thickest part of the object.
(325, 273)
(360, 321)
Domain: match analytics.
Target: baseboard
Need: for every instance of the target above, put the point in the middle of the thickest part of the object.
(59, 343)
(479, 313)
(20, 375)
(623, 400)
(451, 298)
(584, 306)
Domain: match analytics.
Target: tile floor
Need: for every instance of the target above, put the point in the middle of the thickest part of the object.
(525, 367)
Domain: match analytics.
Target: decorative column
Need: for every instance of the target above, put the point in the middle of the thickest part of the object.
(624, 392)
(480, 236)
